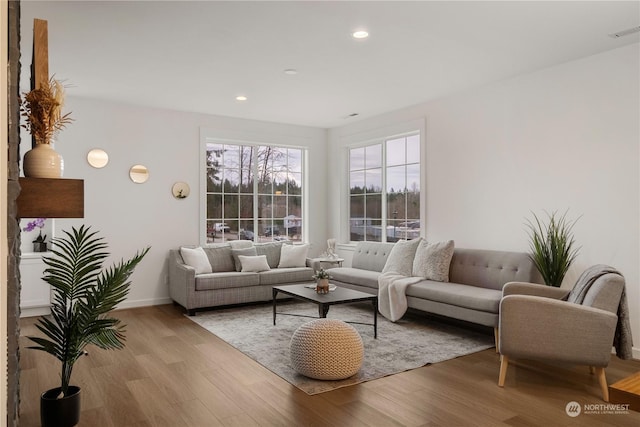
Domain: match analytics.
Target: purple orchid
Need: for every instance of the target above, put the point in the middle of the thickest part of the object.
(31, 225)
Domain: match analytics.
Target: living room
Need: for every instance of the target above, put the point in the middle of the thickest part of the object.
(561, 137)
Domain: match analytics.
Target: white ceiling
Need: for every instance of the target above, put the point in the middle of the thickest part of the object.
(198, 56)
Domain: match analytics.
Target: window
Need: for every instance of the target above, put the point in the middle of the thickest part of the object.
(253, 192)
(384, 196)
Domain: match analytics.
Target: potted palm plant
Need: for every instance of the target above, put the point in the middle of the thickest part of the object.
(83, 295)
(552, 247)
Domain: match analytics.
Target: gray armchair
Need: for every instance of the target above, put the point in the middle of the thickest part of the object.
(577, 326)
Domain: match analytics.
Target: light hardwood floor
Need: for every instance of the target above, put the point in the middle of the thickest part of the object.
(174, 373)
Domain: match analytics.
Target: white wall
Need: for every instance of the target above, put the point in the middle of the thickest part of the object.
(131, 216)
(565, 137)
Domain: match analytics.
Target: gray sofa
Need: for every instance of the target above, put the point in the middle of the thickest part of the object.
(474, 290)
(225, 285)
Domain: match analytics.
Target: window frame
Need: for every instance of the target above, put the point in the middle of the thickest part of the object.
(207, 138)
(381, 136)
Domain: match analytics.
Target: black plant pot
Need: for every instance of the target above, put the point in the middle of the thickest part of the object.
(39, 247)
(63, 412)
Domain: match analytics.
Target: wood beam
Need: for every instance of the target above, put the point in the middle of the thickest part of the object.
(40, 63)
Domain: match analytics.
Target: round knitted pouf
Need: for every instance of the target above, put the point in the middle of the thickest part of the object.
(326, 349)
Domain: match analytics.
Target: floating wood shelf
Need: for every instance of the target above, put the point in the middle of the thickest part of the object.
(51, 198)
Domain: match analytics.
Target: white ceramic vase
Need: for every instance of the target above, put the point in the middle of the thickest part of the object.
(43, 161)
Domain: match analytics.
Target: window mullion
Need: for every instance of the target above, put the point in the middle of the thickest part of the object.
(383, 193)
(256, 196)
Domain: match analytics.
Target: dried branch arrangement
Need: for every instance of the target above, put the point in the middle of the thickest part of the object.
(42, 109)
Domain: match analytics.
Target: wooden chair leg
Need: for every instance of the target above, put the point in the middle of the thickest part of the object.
(504, 363)
(496, 337)
(602, 379)
(592, 370)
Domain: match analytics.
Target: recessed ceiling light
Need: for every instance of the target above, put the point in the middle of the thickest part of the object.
(290, 71)
(360, 34)
(241, 98)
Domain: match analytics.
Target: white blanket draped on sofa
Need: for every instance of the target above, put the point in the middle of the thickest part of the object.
(392, 298)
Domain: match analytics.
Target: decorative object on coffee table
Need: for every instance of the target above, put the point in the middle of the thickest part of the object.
(552, 247)
(322, 281)
(326, 349)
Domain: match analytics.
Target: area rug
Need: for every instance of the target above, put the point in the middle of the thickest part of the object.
(410, 343)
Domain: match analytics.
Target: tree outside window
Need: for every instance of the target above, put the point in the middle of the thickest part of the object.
(253, 193)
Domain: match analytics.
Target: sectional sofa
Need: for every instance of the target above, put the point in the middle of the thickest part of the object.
(474, 289)
(472, 293)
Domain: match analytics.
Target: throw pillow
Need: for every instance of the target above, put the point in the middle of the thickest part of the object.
(238, 252)
(272, 251)
(240, 244)
(220, 258)
(254, 264)
(293, 256)
(400, 258)
(196, 258)
(432, 260)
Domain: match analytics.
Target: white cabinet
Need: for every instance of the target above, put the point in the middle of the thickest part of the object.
(35, 295)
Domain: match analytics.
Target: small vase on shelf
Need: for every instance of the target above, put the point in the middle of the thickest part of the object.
(42, 161)
(42, 110)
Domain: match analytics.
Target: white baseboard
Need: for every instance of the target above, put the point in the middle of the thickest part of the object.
(636, 353)
(35, 311)
(45, 311)
(144, 302)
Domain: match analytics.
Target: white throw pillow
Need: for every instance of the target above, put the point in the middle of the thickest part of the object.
(254, 264)
(433, 259)
(196, 258)
(293, 256)
(400, 258)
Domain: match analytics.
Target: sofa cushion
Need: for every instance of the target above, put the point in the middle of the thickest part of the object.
(492, 269)
(371, 255)
(220, 258)
(355, 276)
(236, 256)
(466, 296)
(293, 256)
(279, 276)
(225, 280)
(254, 264)
(272, 251)
(401, 257)
(432, 260)
(196, 258)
